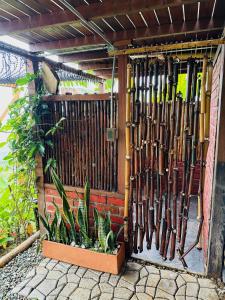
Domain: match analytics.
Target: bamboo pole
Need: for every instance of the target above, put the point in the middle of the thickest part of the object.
(202, 117)
(127, 160)
(203, 89)
(208, 97)
(176, 46)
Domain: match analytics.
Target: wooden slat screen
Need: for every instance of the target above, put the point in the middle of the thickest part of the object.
(80, 148)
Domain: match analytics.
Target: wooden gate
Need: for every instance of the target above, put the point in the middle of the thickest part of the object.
(166, 138)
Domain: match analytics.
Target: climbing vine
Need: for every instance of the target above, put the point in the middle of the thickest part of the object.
(26, 139)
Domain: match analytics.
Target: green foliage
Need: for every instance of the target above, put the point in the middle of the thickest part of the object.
(83, 216)
(181, 87)
(62, 227)
(26, 139)
(66, 208)
(74, 84)
(106, 237)
(108, 85)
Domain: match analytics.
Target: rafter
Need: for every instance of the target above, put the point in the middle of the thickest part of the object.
(94, 11)
(136, 34)
(105, 73)
(95, 66)
(84, 56)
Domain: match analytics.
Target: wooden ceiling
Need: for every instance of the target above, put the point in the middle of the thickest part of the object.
(49, 26)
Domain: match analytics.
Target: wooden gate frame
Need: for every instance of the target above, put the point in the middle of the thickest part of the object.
(215, 254)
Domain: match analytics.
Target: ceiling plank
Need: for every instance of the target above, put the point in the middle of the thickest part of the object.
(134, 34)
(37, 22)
(95, 11)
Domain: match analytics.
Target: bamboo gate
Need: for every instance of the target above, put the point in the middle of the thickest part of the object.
(166, 141)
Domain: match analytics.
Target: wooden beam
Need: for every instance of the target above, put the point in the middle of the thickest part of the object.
(95, 66)
(168, 47)
(94, 11)
(106, 75)
(81, 97)
(37, 22)
(92, 40)
(134, 34)
(84, 56)
(107, 72)
(81, 190)
(39, 171)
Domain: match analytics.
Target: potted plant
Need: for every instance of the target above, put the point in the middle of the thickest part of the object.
(69, 237)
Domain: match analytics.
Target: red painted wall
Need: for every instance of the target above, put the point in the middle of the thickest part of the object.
(209, 172)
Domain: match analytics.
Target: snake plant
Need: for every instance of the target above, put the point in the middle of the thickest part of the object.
(66, 208)
(83, 217)
(62, 227)
(106, 237)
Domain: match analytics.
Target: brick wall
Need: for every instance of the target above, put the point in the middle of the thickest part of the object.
(209, 171)
(104, 202)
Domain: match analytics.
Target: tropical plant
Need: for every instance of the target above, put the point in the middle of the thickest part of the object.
(83, 217)
(106, 238)
(68, 216)
(62, 228)
(26, 138)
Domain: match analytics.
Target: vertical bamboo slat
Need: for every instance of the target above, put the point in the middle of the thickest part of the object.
(127, 161)
(80, 147)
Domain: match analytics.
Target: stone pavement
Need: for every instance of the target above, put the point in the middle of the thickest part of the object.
(56, 280)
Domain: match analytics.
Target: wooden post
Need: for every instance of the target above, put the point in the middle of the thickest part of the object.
(122, 77)
(217, 225)
(32, 89)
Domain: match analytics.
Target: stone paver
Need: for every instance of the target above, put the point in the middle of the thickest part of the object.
(209, 294)
(68, 289)
(167, 285)
(80, 294)
(56, 280)
(192, 289)
(47, 286)
(35, 294)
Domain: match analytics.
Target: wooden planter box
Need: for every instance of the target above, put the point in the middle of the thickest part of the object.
(85, 258)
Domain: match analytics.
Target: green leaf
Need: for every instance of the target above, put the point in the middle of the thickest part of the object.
(26, 79)
(66, 208)
(2, 144)
(50, 163)
(47, 227)
(109, 243)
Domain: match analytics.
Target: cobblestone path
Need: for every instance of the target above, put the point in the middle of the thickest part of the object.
(56, 280)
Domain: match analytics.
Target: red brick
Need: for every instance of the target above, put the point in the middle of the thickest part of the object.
(57, 200)
(50, 208)
(115, 201)
(51, 192)
(100, 207)
(117, 220)
(71, 195)
(113, 210)
(98, 199)
(48, 198)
